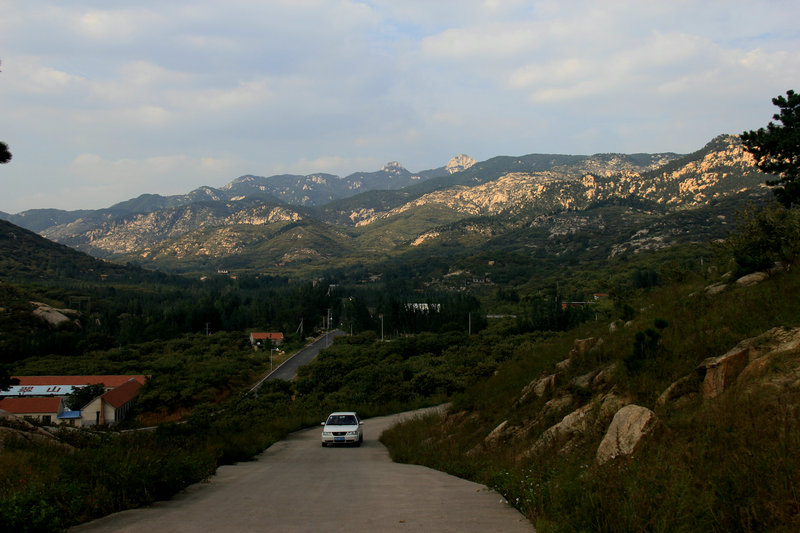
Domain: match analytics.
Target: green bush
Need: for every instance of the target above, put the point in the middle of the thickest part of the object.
(765, 236)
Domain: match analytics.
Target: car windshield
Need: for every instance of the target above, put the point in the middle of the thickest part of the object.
(341, 420)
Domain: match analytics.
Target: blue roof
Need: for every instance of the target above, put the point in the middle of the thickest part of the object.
(70, 414)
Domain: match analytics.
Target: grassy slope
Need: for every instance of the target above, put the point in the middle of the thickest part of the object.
(726, 465)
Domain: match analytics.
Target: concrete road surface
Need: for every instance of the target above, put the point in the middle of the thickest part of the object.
(297, 485)
(288, 369)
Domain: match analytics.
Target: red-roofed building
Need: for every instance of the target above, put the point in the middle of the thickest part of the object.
(43, 409)
(265, 339)
(110, 382)
(111, 407)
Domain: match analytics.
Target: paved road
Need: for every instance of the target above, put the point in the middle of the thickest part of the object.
(297, 486)
(288, 369)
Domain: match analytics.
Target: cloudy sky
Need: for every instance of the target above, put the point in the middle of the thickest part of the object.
(105, 100)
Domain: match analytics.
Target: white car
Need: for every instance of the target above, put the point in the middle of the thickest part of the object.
(342, 428)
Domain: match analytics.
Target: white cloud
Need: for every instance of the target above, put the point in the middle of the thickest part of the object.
(29, 75)
(108, 25)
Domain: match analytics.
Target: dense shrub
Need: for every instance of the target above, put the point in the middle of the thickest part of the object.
(765, 236)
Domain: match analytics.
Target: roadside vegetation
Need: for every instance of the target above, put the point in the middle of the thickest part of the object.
(723, 465)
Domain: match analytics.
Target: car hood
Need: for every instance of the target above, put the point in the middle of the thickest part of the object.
(352, 427)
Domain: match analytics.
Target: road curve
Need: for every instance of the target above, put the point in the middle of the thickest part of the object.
(297, 485)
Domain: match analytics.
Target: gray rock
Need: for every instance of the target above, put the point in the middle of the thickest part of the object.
(752, 279)
(630, 426)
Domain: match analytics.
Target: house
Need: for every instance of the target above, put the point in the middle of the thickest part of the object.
(111, 407)
(263, 339)
(63, 385)
(45, 410)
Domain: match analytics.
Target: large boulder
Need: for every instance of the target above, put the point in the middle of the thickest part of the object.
(497, 435)
(749, 361)
(715, 289)
(752, 279)
(12, 426)
(539, 387)
(581, 347)
(55, 318)
(780, 350)
(581, 422)
(680, 392)
(606, 375)
(629, 427)
(719, 373)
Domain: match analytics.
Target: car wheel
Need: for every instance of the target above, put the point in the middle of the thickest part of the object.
(324, 445)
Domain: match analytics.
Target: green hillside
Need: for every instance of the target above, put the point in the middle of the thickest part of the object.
(717, 458)
(26, 256)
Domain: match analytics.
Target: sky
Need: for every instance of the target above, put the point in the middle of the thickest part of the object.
(101, 101)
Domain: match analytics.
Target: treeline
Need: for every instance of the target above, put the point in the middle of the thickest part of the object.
(112, 316)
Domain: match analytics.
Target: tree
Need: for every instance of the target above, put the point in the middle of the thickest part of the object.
(777, 149)
(764, 237)
(6, 381)
(80, 397)
(5, 155)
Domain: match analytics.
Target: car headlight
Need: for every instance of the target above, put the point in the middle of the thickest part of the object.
(326, 433)
(352, 433)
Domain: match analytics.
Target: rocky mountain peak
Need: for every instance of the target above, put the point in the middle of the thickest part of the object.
(459, 163)
(394, 167)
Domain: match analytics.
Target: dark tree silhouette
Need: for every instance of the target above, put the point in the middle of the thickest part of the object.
(777, 149)
(5, 155)
(6, 381)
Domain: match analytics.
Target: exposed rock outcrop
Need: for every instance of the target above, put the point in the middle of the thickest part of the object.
(747, 362)
(581, 422)
(630, 426)
(13, 426)
(540, 387)
(582, 346)
(55, 318)
(680, 392)
(752, 279)
(719, 373)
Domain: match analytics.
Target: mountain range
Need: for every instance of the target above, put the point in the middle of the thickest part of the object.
(605, 204)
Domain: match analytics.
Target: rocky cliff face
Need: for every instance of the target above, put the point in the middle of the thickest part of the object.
(721, 169)
(139, 232)
(554, 197)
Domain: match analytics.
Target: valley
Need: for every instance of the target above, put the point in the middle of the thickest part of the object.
(539, 296)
